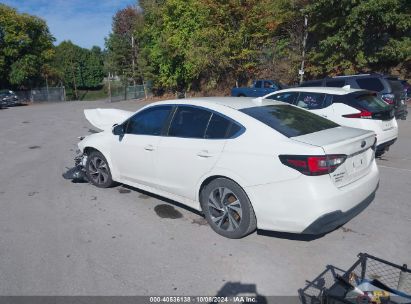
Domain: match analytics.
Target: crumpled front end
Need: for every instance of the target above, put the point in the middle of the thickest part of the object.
(78, 172)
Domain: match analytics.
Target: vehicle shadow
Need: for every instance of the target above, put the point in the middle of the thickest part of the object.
(273, 234)
(239, 293)
(291, 236)
(162, 198)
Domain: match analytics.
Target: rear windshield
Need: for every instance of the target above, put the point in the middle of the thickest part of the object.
(368, 102)
(289, 120)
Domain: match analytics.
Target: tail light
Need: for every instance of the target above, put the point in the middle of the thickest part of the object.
(388, 98)
(313, 165)
(362, 114)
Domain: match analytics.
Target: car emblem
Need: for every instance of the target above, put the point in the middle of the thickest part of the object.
(363, 143)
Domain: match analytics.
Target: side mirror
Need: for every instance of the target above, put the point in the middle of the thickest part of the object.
(118, 130)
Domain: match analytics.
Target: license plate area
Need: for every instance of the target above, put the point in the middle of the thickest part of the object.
(387, 125)
(356, 163)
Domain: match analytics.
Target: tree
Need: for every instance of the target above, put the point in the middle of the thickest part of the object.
(356, 36)
(122, 48)
(79, 67)
(26, 45)
(201, 44)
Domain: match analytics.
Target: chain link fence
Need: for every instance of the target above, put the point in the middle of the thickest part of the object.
(51, 94)
(116, 92)
(119, 93)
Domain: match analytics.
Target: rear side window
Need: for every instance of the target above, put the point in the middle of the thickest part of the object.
(189, 122)
(335, 83)
(372, 84)
(289, 120)
(288, 97)
(150, 121)
(311, 101)
(311, 84)
(217, 127)
(368, 102)
(258, 84)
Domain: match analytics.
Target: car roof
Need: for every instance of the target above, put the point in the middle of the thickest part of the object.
(323, 90)
(236, 103)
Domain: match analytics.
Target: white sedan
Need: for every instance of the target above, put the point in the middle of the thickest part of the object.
(348, 107)
(245, 164)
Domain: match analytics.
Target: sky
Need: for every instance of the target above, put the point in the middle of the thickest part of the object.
(84, 22)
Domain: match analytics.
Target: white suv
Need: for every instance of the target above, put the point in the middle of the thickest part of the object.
(348, 107)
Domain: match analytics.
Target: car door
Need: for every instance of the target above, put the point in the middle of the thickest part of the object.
(267, 88)
(317, 103)
(187, 153)
(256, 91)
(134, 152)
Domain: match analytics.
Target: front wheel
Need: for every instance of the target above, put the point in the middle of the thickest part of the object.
(227, 209)
(97, 170)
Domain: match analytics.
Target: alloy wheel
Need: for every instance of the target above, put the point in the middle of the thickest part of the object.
(98, 170)
(225, 209)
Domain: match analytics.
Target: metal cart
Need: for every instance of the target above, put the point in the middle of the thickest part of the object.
(391, 283)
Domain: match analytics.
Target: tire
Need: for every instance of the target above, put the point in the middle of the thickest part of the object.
(227, 209)
(97, 170)
(241, 95)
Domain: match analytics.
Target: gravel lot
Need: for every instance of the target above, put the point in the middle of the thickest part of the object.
(62, 238)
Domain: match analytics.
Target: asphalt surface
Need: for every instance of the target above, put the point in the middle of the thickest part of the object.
(63, 238)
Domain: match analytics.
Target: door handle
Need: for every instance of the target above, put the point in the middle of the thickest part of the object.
(323, 115)
(149, 148)
(204, 154)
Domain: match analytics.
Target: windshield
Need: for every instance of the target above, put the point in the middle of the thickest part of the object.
(289, 120)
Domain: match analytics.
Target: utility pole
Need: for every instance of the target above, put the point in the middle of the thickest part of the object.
(301, 71)
(47, 87)
(109, 86)
(133, 59)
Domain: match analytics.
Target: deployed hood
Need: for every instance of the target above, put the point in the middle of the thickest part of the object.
(104, 119)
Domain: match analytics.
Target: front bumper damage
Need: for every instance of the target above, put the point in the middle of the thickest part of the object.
(78, 172)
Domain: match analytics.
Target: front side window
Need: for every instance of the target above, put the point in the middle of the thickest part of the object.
(150, 121)
(289, 120)
(189, 122)
(311, 101)
(267, 84)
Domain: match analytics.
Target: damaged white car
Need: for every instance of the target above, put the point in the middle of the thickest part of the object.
(244, 163)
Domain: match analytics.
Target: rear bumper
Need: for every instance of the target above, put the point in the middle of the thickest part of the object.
(332, 220)
(385, 146)
(310, 204)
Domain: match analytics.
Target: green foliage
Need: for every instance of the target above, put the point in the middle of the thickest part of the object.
(122, 48)
(78, 67)
(353, 36)
(25, 47)
(202, 43)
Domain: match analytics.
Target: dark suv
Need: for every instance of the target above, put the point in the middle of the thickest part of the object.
(8, 98)
(389, 88)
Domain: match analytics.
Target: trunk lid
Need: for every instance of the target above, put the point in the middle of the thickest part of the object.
(356, 144)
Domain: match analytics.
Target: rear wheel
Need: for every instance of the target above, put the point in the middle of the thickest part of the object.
(228, 209)
(98, 171)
